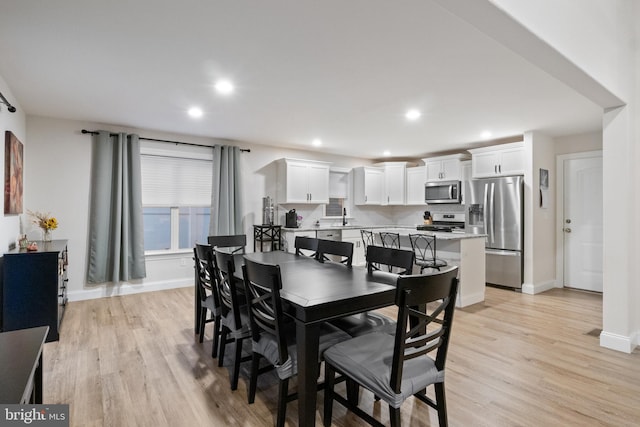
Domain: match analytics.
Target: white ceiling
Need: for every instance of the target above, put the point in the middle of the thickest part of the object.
(342, 71)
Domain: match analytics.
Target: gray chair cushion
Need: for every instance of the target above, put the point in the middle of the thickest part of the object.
(267, 346)
(210, 304)
(368, 358)
(244, 331)
(365, 323)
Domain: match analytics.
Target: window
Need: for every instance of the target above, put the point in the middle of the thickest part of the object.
(176, 198)
(338, 185)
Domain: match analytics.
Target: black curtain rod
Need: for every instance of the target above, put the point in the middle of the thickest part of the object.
(93, 132)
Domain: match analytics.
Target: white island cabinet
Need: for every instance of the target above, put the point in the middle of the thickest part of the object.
(303, 181)
(464, 250)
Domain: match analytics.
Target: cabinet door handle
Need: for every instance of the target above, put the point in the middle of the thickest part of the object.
(500, 168)
(495, 168)
(365, 198)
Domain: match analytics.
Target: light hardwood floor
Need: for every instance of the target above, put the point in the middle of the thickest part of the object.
(514, 360)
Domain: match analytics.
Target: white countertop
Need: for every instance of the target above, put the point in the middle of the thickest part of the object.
(400, 229)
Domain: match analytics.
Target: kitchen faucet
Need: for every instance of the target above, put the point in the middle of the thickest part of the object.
(344, 216)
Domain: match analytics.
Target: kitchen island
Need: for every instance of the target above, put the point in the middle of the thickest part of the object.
(465, 250)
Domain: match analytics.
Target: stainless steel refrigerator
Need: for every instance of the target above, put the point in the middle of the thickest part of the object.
(495, 207)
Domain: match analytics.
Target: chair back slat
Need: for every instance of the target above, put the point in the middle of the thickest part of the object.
(400, 258)
(306, 246)
(423, 301)
(262, 284)
(206, 281)
(227, 287)
(237, 241)
(338, 248)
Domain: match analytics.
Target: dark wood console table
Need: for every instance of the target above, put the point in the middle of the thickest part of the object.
(21, 365)
(267, 233)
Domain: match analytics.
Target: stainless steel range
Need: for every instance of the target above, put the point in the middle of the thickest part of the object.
(445, 221)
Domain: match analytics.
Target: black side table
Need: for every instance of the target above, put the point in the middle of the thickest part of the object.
(267, 233)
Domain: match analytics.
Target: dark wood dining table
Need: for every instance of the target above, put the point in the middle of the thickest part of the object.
(314, 293)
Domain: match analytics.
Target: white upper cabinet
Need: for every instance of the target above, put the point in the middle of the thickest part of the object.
(444, 168)
(368, 185)
(416, 178)
(303, 181)
(465, 170)
(394, 183)
(499, 160)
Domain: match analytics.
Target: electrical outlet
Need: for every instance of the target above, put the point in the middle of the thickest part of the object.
(183, 262)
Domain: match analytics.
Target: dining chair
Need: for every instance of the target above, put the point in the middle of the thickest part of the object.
(237, 241)
(235, 319)
(399, 258)
(396, 367)
(368, 238)
(424, 248)
(208, 293)
(306, 246)
(390, 240)
(273, 334)
(337, 248)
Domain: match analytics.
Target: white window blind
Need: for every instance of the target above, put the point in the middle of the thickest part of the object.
(175, 181)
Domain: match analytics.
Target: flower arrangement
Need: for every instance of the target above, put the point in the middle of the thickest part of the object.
(45, 221)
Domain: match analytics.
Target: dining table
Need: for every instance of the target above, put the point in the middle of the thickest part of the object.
(312, 293)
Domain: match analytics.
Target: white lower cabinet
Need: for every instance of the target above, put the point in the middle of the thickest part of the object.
(289, 238)
(353, 236)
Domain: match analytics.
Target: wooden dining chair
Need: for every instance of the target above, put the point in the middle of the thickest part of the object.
(208, 294)
(424, 248)
(306, 246)
(273, 333)
(399, 258)
(237, 241)
(235, 319)
(344, 250)
(396, 367)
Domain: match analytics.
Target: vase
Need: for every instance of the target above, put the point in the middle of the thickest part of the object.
(46, 235)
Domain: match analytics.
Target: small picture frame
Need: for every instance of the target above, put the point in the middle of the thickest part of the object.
(13, 169)
(544, 188)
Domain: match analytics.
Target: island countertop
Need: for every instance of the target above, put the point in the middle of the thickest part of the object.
(403, 230)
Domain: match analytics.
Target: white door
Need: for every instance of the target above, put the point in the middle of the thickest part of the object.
(582, 223)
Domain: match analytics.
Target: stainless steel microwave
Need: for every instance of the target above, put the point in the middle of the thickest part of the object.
(442, 192)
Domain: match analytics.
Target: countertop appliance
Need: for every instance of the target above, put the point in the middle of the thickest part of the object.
(442, 192)
(496, 208)
(291, 219)
(444, 221)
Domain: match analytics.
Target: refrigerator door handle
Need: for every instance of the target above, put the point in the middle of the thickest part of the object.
(500, 252)
(492, 219)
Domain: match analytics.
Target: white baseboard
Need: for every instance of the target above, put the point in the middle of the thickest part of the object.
(532, 289)
(111, 290)
(619, 342)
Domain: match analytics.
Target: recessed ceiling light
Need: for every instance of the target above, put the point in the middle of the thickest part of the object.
(386, 153)
(224, 87)
(485, 135)
(195, 112)
(413, 115)
(316, 142)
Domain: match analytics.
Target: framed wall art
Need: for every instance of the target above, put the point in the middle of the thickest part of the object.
(13, 165)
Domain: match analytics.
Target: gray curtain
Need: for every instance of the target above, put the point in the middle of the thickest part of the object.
(116, 235)
(226, 196)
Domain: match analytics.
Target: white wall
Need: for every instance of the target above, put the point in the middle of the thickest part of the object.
(539, 231)
(591, 141)
(600, 37)
(14, 122)
(57, 177)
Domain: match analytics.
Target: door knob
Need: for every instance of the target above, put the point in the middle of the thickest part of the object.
(567, 230)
